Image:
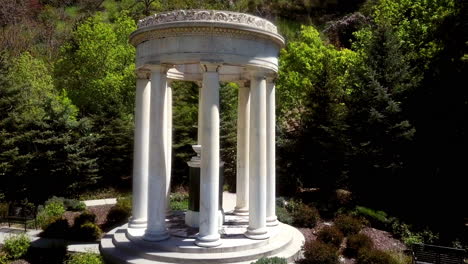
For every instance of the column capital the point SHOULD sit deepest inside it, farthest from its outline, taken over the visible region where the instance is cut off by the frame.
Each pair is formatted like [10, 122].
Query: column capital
[272, 78]
[143, 73]
[163, 68]
[257, 72]
[243, 84]
[210, 66]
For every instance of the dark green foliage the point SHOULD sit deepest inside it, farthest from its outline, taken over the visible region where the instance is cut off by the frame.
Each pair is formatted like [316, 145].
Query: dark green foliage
[330, 235]
[357, 242]
[16, 246]
[284, 216]
[85, 217]
[40, 138]
[178, 201]
[125, 202]
[377, 219]
[84, 258]
[228, 132]
[57, 229]
[374, 256]
[68, 204]
[74, 205]
[87, 232]
[305, 216]
[114, 147]
[116, 216]
[85, 228]
[382, 134]
[348, 224]
[316, 252]
[49, 213]
[274, 260]
[120, 212]
[185, 118]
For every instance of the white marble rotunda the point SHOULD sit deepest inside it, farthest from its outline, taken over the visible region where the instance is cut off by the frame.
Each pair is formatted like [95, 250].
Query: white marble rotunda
[207, 47]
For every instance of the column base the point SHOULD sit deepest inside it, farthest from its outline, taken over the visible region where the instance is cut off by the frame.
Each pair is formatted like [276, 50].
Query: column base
[272, 221]
[209, 241]
[192, 218]
[257, 234]
[243, 211]
[137, 223]
[155, 236]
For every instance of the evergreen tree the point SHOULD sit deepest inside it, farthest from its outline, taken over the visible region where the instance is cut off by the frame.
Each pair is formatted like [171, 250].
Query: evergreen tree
[381, 133]
[41, 139]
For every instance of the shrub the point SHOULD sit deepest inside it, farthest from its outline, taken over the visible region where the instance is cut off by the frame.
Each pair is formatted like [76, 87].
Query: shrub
[117, 215]
[16, 246]
[57, 229]
[87, 232]
[84, 258]
[400, 258]
[74, 205]
[68, 204]
[49, 213]
[85, 217]
[348, 225]
[377, 219]
[120, 212]
[356, 243]
[281, 202]
[316, 252]
[343, 197]
[330, 235]
[125, 203]
[403, 232]
[305, 216]
[178, 201]
[274, 260]
[284, 216]
[373, 256]
[3, 258]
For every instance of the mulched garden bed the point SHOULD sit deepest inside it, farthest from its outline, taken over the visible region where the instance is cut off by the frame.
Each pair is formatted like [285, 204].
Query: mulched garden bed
[100, 211]
[383, 240]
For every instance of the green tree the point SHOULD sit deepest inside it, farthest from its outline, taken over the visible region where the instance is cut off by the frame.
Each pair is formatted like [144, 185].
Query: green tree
[41, 139]
[97, 67]
[228, 132]
[311, 87]
[382, 135]
[415, 23]
[185, 116]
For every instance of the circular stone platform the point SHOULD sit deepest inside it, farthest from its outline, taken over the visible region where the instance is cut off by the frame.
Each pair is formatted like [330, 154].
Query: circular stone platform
[125, 245]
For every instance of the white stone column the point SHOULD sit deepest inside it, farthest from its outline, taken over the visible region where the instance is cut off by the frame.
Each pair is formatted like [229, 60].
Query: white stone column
[140, 151]
[272, 220]
[158, 184]
[242, 178]
[200, 119]
[168, 142]
[257, 157]
[209, 179]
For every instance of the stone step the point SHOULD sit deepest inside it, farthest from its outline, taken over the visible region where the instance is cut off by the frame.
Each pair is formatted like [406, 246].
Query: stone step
[121, 242]
[116, 248]
[230, 243]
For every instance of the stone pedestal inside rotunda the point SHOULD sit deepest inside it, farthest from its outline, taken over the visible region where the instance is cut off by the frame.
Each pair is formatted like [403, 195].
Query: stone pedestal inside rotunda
[192, 216]
[206, 47]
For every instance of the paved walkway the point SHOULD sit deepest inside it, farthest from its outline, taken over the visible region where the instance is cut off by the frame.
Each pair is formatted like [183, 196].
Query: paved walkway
[110, 201]
[229, 202]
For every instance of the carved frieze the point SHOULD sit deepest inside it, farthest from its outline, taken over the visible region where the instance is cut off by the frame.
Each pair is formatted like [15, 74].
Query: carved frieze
[208, 16]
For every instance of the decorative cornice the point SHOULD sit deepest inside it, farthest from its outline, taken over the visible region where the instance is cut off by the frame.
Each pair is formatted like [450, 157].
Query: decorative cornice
[226, 17]
[137, 38]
